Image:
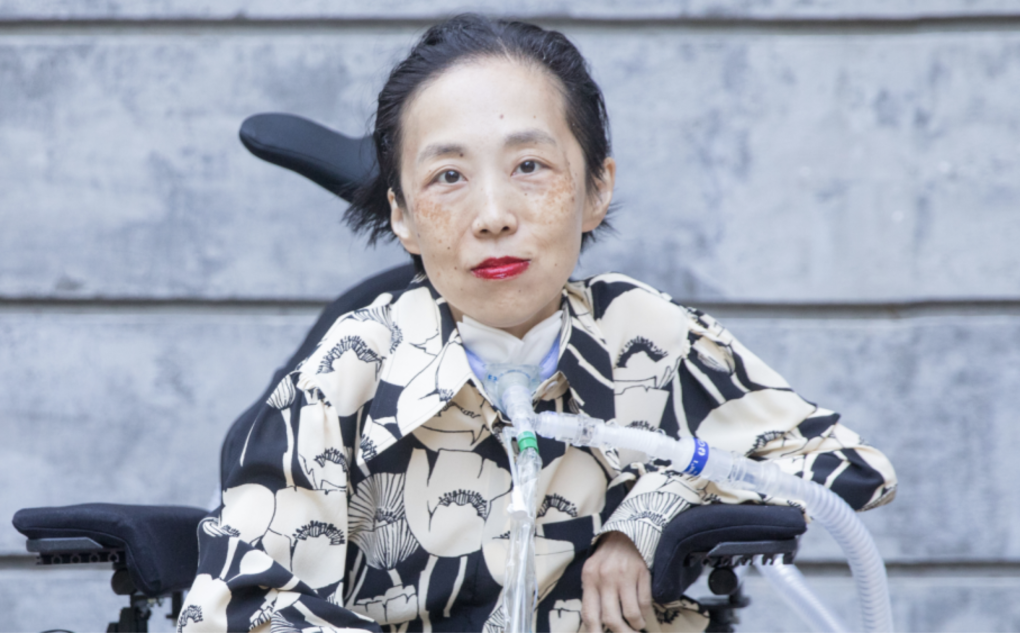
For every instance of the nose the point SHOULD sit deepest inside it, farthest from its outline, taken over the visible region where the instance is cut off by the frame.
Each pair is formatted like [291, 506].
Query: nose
[496, 216]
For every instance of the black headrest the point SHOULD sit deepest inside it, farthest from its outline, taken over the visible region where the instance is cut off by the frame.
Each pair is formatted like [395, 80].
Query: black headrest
[324, 156]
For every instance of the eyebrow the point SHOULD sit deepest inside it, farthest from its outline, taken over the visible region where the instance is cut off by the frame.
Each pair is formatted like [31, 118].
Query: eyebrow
[529, 137]
[439, 149]
[525, 137]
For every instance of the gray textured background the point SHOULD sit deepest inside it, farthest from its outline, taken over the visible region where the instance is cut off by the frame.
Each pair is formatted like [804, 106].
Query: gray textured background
[838, 181]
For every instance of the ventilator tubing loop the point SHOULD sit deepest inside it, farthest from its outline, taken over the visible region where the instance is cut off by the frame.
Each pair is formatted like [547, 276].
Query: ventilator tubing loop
[512, 387]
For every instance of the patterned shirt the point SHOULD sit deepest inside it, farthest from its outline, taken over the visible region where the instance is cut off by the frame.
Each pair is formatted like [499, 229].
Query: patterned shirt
[373, 487]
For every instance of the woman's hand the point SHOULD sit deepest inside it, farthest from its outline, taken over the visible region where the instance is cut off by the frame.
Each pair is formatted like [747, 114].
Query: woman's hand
[617, 587]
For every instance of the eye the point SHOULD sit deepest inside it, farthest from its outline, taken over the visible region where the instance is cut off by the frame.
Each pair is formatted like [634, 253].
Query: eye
[527, 167]
[450, 177]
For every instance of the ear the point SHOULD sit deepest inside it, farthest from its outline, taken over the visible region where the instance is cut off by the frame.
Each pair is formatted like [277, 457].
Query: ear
[402, 224]
[596, 207]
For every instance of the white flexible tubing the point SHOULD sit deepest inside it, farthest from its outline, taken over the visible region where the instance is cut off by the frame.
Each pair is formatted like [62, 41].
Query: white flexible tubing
[842, 523]
[694, 456]
[520, 593]
[789, 584]
[520, 588]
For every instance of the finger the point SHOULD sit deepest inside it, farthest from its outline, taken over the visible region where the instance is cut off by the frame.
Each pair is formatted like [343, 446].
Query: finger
[631, 605]
[611, 614]
[590, 606]
[645, 589]
[645, 600]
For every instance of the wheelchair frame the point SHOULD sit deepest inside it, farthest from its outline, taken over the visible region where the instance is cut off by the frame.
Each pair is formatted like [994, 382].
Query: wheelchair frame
[69, 535]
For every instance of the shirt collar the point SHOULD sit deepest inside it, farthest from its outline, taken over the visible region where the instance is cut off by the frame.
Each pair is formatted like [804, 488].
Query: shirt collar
[429, 366]
[585, 360]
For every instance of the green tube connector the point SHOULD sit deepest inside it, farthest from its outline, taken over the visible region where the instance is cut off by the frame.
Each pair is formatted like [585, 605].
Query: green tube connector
[527, 439]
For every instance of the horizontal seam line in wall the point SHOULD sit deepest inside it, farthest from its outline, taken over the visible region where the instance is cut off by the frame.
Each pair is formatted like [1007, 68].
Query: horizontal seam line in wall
[809, 568]
[808, 25]
[919, 568]
[256, 306]
[861, 310]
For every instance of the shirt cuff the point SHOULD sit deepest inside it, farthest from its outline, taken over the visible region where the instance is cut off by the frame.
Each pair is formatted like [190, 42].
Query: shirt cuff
[654, 501]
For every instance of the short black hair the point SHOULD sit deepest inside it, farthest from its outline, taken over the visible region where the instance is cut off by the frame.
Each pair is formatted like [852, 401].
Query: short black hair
[469, 37]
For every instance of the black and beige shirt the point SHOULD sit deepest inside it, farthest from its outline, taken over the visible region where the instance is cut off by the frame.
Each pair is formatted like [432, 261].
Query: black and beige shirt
[372, 488]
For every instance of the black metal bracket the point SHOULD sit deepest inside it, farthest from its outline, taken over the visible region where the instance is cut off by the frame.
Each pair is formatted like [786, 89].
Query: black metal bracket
[73, 551]
[84, 550]
[722, 611]
[135, 618]
[731, 554]
[723, 581]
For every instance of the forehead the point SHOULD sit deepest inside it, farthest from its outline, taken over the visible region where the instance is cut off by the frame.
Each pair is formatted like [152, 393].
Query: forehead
[482, 101]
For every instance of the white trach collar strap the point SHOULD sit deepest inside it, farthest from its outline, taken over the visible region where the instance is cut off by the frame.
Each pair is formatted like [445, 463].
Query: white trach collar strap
[496, 346]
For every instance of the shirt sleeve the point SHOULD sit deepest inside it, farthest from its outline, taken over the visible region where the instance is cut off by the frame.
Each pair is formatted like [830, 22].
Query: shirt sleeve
[726, 396]
[272, 556]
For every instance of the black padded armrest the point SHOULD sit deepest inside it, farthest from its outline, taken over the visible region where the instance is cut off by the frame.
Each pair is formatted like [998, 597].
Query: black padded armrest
[700, 529]
[160, 542]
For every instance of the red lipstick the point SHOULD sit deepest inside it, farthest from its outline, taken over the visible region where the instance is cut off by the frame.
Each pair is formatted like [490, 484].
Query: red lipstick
[500, 268]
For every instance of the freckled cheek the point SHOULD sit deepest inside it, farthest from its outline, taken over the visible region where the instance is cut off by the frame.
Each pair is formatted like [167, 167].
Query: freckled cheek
[555, 204]
[431, 220]
[427, 210]
[436, 231]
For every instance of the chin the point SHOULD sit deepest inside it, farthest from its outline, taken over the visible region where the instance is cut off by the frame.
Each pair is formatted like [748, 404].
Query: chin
[500, 320]
[506, 304]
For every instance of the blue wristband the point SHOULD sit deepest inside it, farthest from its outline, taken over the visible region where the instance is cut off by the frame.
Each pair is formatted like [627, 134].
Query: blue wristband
[699, 459]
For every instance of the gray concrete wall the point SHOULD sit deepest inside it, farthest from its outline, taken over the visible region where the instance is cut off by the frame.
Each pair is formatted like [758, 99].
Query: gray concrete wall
[839, 182]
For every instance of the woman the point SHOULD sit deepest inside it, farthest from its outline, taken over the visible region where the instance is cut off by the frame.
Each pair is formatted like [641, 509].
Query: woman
[373, 489]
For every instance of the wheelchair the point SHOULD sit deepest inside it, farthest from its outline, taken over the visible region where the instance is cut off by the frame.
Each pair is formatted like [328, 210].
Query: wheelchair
[153, 550]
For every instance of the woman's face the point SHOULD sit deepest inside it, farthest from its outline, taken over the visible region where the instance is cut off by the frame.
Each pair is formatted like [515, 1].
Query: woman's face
[494, 191]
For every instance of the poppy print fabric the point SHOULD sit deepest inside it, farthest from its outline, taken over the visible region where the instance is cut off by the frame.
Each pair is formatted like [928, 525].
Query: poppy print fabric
[373, 487]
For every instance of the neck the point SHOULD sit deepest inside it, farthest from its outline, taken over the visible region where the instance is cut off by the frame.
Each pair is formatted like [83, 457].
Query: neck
[520, 329]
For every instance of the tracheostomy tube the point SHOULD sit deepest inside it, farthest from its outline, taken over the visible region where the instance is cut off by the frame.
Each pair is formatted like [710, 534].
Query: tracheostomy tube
[695, 457]
[512, 388]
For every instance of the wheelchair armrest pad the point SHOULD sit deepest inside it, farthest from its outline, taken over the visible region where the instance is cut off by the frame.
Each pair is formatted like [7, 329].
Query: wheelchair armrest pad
[701, 528]
[160, 542]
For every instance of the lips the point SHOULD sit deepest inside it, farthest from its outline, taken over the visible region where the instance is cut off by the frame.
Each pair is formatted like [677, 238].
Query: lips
[500, 268]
